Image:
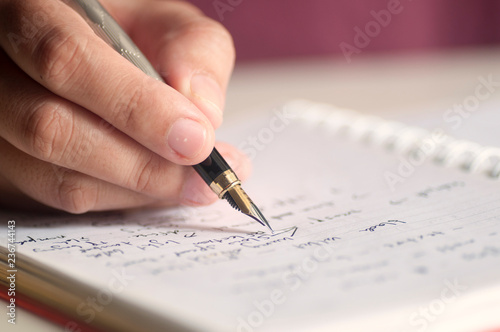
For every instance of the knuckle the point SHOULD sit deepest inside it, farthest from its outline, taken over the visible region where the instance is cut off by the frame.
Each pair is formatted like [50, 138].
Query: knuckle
[212, 32]
[144, 178]
[74, 195]
[57, 56]
[213, 40]
[48, 131]
[127, 105]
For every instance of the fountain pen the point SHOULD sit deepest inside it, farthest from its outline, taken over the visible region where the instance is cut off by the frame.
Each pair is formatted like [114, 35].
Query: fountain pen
[214, 170]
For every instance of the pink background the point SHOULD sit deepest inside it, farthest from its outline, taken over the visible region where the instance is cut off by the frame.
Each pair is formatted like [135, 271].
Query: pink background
[284, 28]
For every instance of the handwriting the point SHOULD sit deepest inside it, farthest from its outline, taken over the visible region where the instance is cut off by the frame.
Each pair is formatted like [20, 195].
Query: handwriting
[322, 242]
[268, 243]
[56, 247]
[107, 253]
[429, 192]
[335, 216]
[487, 251]
[290, 201]
[454, 246]
[318, 206]
[217, 257]
[413, 239]
[382, 224]
[194, 250]
[221, 240]
[360, 196]
[443, 187]
[398, 202]
[260, 237]
[31, 239]
[156, 244]
[282, 215]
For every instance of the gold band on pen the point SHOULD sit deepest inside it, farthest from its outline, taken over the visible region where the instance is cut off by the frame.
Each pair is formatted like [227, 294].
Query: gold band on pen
[224, 182]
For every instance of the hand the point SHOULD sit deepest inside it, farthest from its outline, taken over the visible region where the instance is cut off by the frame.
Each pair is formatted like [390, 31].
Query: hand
[82, 129]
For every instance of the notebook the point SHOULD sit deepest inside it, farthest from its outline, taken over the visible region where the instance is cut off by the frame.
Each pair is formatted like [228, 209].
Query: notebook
[379, 226]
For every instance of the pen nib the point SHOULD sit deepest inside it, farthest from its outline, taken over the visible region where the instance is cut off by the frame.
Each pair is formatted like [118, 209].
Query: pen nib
[257, 215]
[239, 200]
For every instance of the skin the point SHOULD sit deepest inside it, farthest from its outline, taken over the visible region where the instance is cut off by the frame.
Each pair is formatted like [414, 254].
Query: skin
[82, 129]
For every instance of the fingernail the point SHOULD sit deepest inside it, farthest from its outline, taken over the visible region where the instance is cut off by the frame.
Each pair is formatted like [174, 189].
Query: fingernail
[209, 93]
[186, 137]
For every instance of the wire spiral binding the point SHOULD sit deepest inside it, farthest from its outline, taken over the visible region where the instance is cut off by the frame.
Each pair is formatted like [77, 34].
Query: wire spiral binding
[399, 137]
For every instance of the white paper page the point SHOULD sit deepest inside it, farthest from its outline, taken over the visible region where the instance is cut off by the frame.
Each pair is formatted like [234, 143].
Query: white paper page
[349, 250]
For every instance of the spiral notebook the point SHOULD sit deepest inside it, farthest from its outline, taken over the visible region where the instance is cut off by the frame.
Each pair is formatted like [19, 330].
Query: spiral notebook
[379, 226]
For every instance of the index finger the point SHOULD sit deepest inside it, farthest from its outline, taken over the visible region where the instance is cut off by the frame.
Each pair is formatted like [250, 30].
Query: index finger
[57, 48]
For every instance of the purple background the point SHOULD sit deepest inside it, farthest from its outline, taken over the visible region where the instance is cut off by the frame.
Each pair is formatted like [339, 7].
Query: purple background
[284, 28]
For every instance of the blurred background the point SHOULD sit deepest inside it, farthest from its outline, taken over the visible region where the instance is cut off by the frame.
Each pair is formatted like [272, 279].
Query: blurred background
[389, 57]
[264, 29]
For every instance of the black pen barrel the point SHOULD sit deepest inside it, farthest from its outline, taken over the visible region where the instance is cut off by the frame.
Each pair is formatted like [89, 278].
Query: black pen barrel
[212, 167]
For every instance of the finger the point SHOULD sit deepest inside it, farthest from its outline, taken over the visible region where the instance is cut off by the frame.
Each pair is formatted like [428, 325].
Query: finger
[193, 53]
[59, 132]
[63, 54]
[56, 131]
[61, 188]
[74, 192]
[12, 198]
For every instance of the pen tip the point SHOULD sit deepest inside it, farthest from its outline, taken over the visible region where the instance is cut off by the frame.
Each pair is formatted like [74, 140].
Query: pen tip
[257, 215]
[240, 201]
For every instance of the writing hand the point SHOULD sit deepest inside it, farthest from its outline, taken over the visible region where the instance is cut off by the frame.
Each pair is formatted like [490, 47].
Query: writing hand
[83, 129]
